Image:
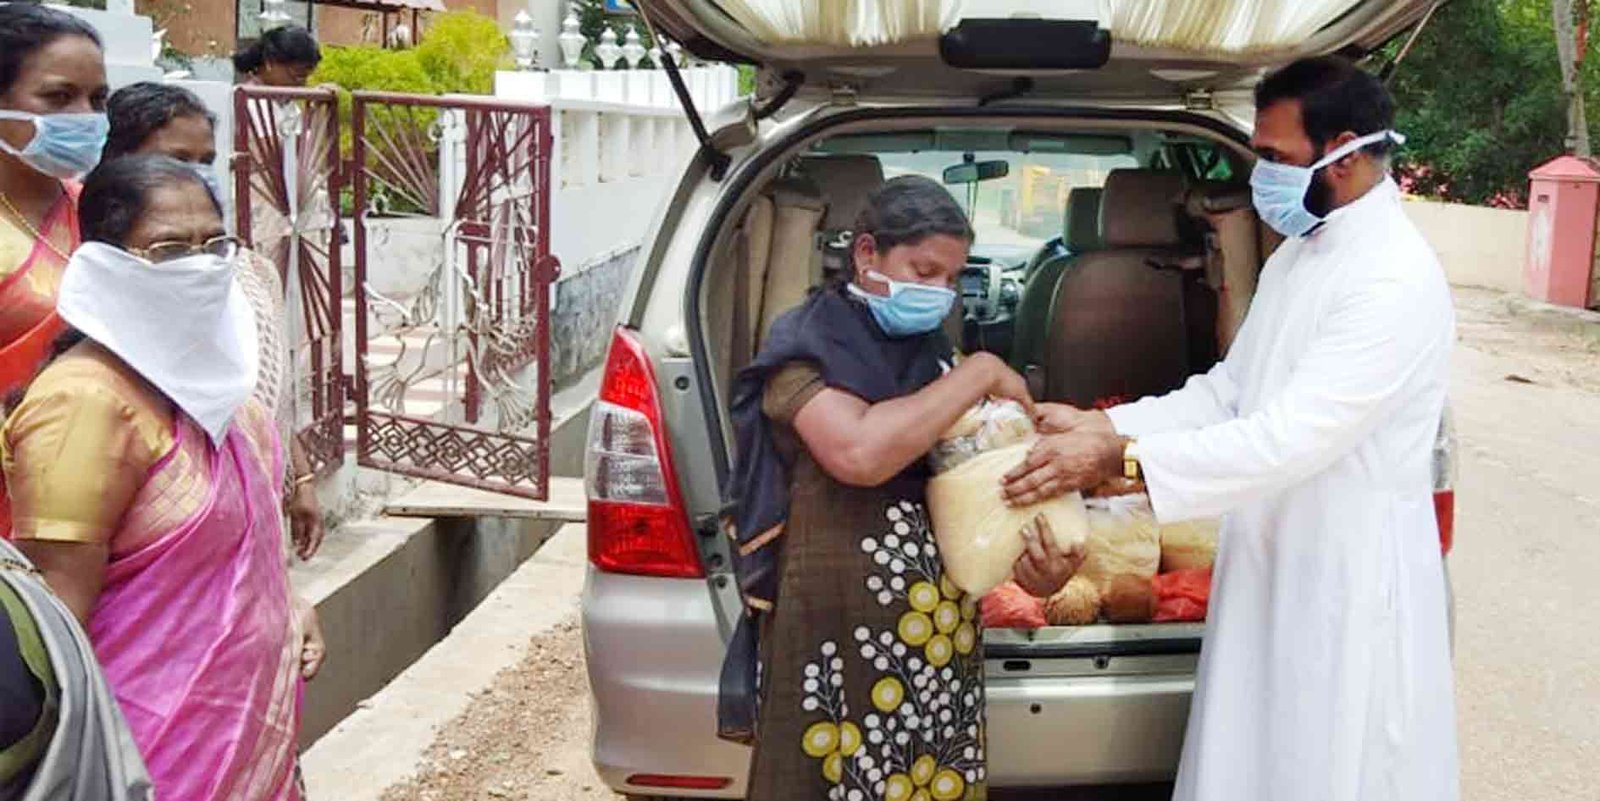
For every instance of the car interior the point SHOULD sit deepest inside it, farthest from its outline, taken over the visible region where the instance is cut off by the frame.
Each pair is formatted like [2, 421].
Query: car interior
[1107, 265]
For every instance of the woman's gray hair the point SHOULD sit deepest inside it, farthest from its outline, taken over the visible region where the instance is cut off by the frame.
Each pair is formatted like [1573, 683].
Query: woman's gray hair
[116, 193]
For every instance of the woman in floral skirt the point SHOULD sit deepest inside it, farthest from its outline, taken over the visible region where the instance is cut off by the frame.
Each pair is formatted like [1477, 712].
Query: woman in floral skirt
[870, 669]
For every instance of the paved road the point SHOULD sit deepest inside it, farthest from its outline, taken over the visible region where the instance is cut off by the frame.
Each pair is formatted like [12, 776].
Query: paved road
[1527, 557]
[1527, 405]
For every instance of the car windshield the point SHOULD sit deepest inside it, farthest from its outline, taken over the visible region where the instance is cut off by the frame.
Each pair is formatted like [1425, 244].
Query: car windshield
[1025, 208]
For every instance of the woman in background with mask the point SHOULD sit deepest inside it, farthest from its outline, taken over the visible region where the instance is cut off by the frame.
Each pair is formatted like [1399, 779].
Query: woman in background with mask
[52, 95]
[144, 480]
[833, 419]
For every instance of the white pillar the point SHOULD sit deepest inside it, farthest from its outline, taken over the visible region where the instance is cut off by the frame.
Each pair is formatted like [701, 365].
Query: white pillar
[584, 147]
[661, 93]
[638, 87]
[528, 86]
[128, 40]
[574, 84]
[613, 147]
[610, 87]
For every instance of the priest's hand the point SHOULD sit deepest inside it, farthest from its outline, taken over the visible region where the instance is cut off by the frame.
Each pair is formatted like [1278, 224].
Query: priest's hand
[1063, 463]
[1043, 568]
[1059, 418]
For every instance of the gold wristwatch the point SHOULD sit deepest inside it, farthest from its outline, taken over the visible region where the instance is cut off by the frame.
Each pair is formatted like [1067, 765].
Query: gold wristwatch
[1131, 468]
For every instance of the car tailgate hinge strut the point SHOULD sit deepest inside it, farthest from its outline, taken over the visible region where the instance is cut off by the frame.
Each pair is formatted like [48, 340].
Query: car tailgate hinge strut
[792, 81]
[716, 161]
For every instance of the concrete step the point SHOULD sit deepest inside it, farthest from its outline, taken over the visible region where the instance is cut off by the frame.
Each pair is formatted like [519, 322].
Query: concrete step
[434, 499]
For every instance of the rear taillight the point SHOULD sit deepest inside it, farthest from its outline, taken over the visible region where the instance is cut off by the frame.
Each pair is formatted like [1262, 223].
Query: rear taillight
[637, 521]
[1444, 482]
[1444, 507]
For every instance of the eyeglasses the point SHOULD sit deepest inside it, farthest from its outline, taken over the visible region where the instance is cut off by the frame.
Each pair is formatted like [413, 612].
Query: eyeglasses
[224, 247]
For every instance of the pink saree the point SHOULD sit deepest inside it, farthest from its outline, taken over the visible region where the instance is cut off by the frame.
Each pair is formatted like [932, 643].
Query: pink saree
[195, 630]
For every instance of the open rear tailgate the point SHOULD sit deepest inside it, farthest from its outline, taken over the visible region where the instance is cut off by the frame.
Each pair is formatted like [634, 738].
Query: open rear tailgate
[1158, 47]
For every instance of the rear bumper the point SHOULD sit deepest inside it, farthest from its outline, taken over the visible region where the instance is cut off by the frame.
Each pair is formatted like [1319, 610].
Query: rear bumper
[654, 652]
[1072, 722]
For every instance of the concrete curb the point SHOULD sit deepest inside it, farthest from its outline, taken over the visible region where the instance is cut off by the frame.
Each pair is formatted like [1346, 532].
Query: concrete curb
[1531, 306]
[388, 589]
[381, 743]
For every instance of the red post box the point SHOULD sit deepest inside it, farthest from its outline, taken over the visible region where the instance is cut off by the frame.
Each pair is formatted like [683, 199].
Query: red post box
[1563, 201]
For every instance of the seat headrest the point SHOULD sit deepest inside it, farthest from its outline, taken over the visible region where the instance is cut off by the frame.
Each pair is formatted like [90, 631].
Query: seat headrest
[846, 182]
[1082, 232]
[1140, 209]
[1212, 197]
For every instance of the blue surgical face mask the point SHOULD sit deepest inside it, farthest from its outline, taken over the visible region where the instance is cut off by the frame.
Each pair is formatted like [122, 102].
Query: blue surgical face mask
[1279, 190]
[910, 309]
[208, 174]
[63, 145]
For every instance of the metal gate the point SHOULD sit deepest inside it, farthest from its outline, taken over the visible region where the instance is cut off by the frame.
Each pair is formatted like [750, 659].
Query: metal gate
[451, 380]
[286, 182]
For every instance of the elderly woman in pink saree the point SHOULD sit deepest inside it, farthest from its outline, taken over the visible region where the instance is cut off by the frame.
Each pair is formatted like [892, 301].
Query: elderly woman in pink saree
[144, 477]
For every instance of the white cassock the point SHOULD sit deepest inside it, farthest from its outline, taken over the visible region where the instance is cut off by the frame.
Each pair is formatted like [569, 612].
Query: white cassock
[1325, 673]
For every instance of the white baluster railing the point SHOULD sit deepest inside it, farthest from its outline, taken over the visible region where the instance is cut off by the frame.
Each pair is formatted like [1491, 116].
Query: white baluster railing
[620, 138]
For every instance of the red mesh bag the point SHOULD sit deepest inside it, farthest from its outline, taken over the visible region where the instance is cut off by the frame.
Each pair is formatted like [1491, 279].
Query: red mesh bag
[1008, 606]
[1182, 595]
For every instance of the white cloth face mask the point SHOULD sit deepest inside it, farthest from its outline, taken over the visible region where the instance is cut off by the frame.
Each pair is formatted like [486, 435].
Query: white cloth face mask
[185, 325]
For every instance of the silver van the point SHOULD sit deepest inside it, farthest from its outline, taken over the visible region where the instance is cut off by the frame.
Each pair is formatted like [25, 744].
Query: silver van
[1101, 151]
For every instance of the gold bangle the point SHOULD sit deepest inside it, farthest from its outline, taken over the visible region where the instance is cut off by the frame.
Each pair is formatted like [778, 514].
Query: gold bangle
[301, 481]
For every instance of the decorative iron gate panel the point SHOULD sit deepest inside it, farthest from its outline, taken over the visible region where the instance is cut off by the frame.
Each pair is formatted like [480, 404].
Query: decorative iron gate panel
[286, 183]
[452, 377]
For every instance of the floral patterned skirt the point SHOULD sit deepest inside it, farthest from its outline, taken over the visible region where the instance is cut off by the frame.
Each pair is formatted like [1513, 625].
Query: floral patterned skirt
[872, 666]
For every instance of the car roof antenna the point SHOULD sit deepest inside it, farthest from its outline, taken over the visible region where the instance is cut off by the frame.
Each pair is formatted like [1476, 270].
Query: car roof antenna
[716, 161]
[1019, 87]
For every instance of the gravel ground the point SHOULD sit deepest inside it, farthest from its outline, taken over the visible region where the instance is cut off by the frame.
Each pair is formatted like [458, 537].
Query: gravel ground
[526, 737]
[1526, 398]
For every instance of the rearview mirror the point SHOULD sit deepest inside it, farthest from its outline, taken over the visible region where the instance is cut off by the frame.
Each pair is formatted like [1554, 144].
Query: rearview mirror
[975, 172]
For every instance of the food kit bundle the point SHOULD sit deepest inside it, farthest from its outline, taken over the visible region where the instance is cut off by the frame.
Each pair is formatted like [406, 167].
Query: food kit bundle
[1136, 570]
[979, 536]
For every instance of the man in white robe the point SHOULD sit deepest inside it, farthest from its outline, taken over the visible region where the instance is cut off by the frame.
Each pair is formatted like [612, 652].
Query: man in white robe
[1325, 673]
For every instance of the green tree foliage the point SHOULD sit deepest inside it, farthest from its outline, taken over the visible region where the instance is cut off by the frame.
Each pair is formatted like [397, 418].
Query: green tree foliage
[460, 50]
[459, 53]
[375, 68]
[1480, 99]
